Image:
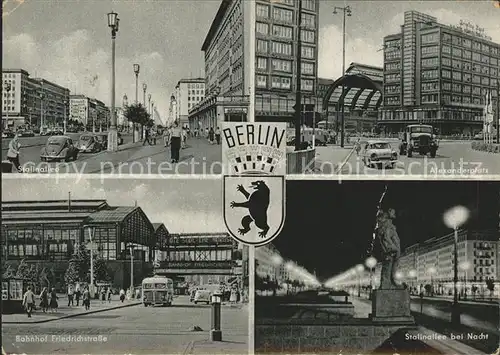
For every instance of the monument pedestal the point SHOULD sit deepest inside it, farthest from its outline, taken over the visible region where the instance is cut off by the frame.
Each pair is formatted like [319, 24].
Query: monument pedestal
[391, 306]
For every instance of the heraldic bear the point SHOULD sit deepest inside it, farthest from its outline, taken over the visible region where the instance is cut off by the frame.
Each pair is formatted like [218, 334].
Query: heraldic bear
[257, 204]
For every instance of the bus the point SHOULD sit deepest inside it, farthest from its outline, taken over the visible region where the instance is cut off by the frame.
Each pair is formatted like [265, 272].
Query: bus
[157, 290]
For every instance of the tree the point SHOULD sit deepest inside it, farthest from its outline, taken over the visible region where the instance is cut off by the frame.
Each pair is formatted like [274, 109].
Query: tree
[490, 284]
[101, 272]
[137, 114]
[79, 266]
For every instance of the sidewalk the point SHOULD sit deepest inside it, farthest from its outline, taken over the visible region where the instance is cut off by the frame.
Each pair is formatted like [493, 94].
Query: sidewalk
[234, 346]
[65, 312]
[330, 159]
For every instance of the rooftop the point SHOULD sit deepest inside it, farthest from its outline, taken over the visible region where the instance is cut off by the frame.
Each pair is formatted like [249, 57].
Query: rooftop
[191, 80]
[215, 24]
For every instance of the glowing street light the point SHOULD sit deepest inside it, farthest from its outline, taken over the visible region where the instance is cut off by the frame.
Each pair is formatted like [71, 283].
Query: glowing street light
[370, 263]
[359, 271]
[454, 218]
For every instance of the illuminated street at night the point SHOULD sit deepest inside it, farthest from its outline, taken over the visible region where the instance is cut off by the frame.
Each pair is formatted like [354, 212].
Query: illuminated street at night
[333, 276]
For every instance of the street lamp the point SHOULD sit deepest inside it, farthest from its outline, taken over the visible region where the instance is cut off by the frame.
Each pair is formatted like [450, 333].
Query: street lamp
[454, 218]
[91, 247]
[359, 271]
[113, 23]
[149, 106]
[131, 249]
[65, 124]
[136, 71]
[370, 264]
[215, 332]
[144, 88]
[124, 104]
[346, 11]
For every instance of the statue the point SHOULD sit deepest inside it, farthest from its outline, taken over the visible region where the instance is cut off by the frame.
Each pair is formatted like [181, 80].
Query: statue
[391, 249]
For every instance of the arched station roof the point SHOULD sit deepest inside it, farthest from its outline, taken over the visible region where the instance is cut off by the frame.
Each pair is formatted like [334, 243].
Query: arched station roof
[362, 88]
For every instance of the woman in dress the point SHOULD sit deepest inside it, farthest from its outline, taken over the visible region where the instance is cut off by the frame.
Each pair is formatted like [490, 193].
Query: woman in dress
[53, 305]
[44, 299]
[13, 153]
[175, 142]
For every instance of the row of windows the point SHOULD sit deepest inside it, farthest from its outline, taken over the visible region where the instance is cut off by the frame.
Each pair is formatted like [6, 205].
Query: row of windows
[393, 66]
[392, 89]
[196, 92]
[208, 255]
[195, 86]
[430, 86]
[278, 82]
[429, 98]
[392, 77]
[466, 54]
[195, 98]
[467, 43]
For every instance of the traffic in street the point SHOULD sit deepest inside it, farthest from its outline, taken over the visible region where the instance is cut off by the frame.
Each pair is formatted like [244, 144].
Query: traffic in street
[179, 329]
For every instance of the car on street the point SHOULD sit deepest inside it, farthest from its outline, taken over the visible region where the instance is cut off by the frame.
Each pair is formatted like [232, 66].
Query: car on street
[8, 134]
[89, 143]
[419, 138]
[103, 138]
[378, 153]
[202, 296]
[26, 133]
[59, 148]
[46, 132]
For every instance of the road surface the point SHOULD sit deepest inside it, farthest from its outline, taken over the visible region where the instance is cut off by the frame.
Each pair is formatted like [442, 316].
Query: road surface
[453, 158]
[136, 330]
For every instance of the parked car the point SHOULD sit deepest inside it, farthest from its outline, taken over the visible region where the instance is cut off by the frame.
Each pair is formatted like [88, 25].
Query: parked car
[46, 132]
[59, 148]
[88, 143]
[104, 138]
[202, 296]
[378, 153]
[26, 133]
[8, 134]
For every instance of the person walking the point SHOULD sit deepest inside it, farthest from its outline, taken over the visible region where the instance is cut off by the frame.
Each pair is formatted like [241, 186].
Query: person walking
[53, 305]
[147, 134]
[233, 298]
[103, 295]
[217, 135]
[29, 301]
[358, 146]
[122, 295]
[211, 135]
[175, 142]
[109, 293]
[86, 298]
[184, 137]
[13, 153]
[78, 294]
[137, 294]
[71, 293]
[44, 300]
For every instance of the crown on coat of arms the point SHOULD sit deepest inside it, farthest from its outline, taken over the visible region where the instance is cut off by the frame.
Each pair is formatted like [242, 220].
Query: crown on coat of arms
[254, 159]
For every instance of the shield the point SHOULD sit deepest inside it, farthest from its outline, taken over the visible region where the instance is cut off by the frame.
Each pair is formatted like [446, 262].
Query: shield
[254, 207]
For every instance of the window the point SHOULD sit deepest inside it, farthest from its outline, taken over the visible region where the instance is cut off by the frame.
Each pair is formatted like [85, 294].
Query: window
[476, 79]
[466, 89]
[429, 50]
[446, 74]
[281, 82]
[467, 43]
[282, 65]
[457, 88]
[467, 54]
[308, 20]
[485, 81]
[262, 46]
[430, 86]
[261, 81]
[262, 28]
[392, 77]
[308, 52]
[457, 76]
[446, 50]
[282, 48]
[429, 74]
[392, 89]
[283, 31]
[262, 11]
[392, 100]
[445, 61]
[466, 66]
[307, 36]
[307, 68]
[307, 84]
[431, 62]
[467, 77]
[430, 38]
[476, 57]
[309, 5]
[457, 52]
[392, 54]
[447, 86]
[283, 15]
[261, 63]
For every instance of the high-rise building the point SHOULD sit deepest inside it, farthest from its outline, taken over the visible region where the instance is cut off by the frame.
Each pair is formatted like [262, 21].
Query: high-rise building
[439, 75]
[79, 108]
[276, 45]
[24, 98]
[188, 93]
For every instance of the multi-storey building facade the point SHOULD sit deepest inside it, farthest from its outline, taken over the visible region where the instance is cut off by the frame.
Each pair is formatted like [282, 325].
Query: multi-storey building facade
[269, 263]
[439, 75]
[28, 100]
[79, 108]
[228, 64]
[277, 33]
[188, 93]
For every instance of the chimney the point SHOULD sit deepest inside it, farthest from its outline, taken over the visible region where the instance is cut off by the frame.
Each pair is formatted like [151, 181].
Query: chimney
[69, 201]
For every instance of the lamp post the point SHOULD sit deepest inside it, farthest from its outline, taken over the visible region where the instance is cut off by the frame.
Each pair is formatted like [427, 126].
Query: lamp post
[131, 249]
[42, 96]
[149, 106]
[359, 271]
[113, 23]
[454, 218]
[144, 88]
[298, 97]
[124, 105]
[370, 264]
[215, 332]
[91, 247]
[65, 124]
[346, 11]
[136, 71]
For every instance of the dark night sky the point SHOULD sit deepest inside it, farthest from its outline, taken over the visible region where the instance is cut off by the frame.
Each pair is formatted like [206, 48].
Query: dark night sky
[329, 225]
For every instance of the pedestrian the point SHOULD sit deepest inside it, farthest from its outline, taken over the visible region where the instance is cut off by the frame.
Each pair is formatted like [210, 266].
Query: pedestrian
[78, 294]
[86, 298]
[137, 294]
[13, 153]
[146, 136]
[44, 299]
[211, 135]
[71, 293]
[358, 146]
[175, 142]
[53, 305]
[233, 298]
[103, 295]
[109, 294]
[217, 135]
[129, 294]
[166, 137]
[206, 133]
[122, 295]
[29, 301]
[184, 137]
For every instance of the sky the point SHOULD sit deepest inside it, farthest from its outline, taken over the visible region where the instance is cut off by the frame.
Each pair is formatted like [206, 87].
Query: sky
[329, 226]
[68, 41]
[183, 205]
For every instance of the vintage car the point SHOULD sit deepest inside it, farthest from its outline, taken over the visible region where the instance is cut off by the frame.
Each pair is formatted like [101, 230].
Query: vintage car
[26, 133]
[418, 138]
[103, 138]
[378, 153]
[59, 148]
[8, 134]
[89, 143]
